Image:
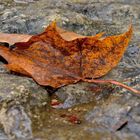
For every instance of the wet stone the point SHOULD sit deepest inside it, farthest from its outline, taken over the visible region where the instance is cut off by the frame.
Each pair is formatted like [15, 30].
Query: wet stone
[3, 69]
[81, 93]
[100, 111]
[130, 62]
[18, 98]
[117, 115]
[24, 1]
[16, 123]
[21, 90]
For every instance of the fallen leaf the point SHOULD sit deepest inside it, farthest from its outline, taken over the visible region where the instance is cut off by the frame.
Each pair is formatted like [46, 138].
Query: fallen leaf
[13, 38]
[57, 57]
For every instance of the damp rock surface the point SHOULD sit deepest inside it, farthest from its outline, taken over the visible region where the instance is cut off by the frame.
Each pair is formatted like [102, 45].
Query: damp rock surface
[21, 90]
[16, 123]
[82, 93]
[19, 96]
[83, 111]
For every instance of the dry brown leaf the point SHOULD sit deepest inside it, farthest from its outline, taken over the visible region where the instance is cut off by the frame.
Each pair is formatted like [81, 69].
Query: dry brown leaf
[13, 38]
[57, 57]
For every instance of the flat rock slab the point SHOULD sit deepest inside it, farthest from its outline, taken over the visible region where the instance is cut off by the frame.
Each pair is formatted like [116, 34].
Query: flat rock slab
[115, 116]
[102, 114]
[18, 97]
[82, 93]
[21, 90]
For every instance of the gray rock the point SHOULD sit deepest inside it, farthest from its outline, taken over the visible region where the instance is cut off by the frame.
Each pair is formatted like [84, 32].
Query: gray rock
[80, 93]
[24, 1]
[115, 115]
[16, 123]
[3, 69]
[19, 96]
[3, 136]
[100, 111]
[21, 90]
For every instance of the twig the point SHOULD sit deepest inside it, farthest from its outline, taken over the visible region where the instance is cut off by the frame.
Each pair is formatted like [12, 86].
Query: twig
[113, 82]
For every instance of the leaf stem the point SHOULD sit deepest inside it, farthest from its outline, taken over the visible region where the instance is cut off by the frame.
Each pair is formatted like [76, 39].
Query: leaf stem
[113, 82]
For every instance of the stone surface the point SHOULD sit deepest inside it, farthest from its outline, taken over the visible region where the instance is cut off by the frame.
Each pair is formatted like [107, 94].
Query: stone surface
[24, 1]
[113, 115]
[19, 96]
[3, 68]
[100, 108]
[16, 123]
[21, 90]
[80, 93]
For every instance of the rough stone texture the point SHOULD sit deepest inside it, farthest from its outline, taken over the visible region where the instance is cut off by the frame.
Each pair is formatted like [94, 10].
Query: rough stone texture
[79, 93]
[21, 90]
[3, 68]
[100, 112]
[109, 116]
[18, 97]
[16, 123]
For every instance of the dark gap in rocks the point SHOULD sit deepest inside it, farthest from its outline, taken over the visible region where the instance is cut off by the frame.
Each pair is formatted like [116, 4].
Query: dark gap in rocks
[50, 90]
[122, 126]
